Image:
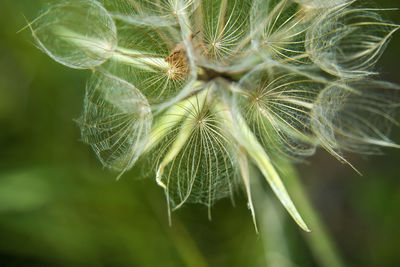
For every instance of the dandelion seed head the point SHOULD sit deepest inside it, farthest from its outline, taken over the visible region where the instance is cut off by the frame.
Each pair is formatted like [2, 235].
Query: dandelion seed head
[206, 87]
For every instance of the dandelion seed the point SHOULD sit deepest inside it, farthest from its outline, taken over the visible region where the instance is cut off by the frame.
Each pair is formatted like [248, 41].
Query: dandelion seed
[116, 121]
[347, 42]
[82, 45]
[207, 87]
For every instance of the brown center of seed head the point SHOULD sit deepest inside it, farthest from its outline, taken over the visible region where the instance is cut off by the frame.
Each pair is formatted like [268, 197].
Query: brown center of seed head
[177, 60]
[179, 66]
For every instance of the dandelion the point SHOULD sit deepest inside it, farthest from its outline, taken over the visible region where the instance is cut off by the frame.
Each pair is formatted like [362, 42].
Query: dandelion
[206, 88]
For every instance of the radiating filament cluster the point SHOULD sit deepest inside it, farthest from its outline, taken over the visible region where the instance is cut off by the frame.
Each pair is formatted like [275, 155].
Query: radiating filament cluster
[200, 89]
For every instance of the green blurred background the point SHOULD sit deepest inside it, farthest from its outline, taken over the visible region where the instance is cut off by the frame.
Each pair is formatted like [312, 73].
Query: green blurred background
[58, 207]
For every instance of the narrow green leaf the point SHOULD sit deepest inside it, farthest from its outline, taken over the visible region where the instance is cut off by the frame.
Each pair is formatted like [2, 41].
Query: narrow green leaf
[249, 141]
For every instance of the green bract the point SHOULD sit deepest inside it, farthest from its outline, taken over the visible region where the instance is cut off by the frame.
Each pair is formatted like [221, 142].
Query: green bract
[207, 87]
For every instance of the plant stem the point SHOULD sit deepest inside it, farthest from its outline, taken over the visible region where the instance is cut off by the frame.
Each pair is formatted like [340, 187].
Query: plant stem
[319, 240]
[271, 225]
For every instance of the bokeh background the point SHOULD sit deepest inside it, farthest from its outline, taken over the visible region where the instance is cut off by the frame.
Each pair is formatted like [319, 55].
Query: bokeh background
[59, 207]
